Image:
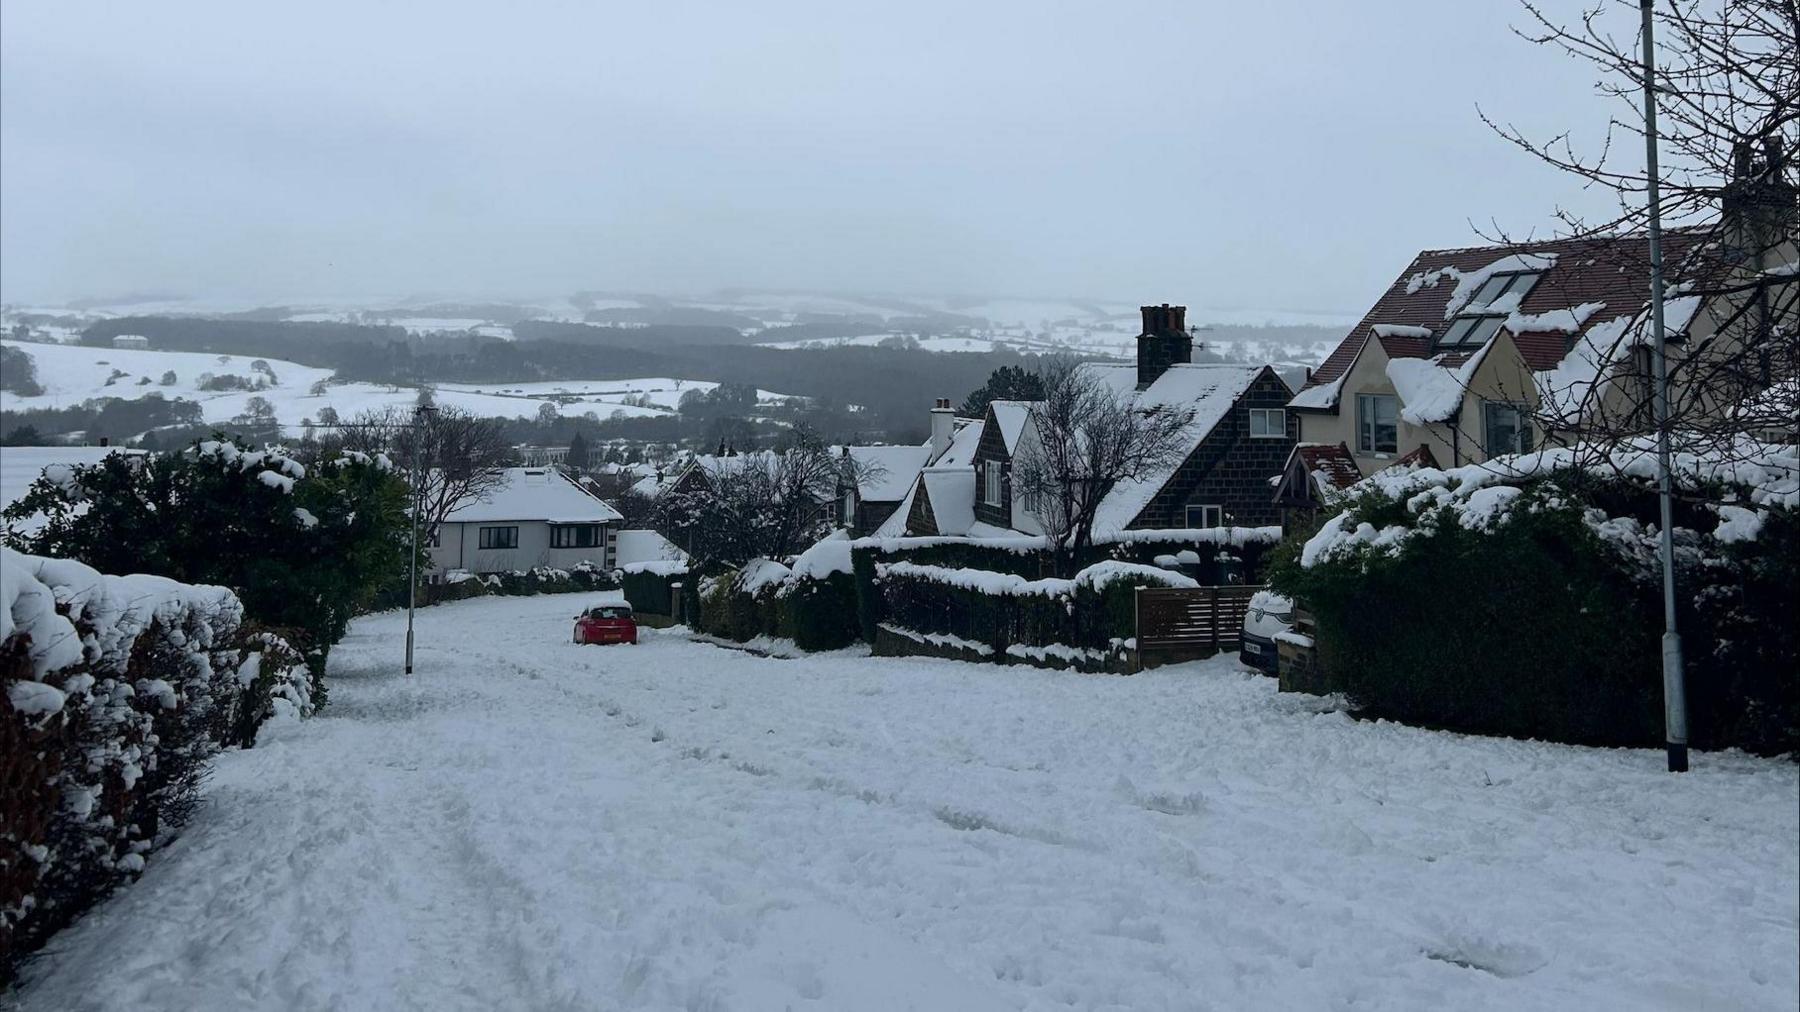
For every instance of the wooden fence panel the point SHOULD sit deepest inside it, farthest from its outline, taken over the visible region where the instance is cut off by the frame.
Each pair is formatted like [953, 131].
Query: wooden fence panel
[1189, 622]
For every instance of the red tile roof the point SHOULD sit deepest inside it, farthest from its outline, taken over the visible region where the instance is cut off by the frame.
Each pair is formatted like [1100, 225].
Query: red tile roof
[1331, 463]
[1613, 271]
[1419, 457]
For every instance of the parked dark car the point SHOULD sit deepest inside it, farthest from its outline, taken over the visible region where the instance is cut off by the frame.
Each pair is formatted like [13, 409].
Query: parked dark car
[1268, 615]
[606, 623]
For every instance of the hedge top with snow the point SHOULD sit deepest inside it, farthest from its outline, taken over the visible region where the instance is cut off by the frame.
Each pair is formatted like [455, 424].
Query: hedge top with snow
[1760, 477]
[74, 614]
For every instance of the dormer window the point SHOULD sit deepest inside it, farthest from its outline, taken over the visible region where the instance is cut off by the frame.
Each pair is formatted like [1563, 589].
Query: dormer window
[1481, 317]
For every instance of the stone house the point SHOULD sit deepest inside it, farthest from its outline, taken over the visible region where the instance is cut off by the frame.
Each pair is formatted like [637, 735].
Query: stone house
[1240, 436]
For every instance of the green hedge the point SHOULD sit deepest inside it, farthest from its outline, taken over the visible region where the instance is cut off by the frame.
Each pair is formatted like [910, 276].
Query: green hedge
[817, 614]
[1547, 622]
[1082, 622]
[822, 614]
[1248, 555]
[652, 592]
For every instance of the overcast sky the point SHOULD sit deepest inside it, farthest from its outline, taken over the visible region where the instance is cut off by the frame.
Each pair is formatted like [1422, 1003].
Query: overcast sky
[1289, 155]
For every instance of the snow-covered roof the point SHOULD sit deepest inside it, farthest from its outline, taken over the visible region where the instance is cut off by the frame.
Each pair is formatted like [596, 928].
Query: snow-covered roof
[961, 451]
[895, 524]
[1208, 390]
[1329, 466]
[651, 486]
[646, 546]
[1011, 416]
[1583, 283]
[535, 493]
[1431, 389]
[951, 492]
[1569, 391]
[884, 473]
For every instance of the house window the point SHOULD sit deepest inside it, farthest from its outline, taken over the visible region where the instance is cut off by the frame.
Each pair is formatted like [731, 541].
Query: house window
[498, 537]
[992, 471]
[576, 536]
[1508, 429]
[1268, 423]
[1482, 316]
[1199, 517]
[435, 539]
[1377, 423]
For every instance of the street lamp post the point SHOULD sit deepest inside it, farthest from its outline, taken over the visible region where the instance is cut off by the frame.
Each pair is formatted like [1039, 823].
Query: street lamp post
[1674, 687]
[421, 420]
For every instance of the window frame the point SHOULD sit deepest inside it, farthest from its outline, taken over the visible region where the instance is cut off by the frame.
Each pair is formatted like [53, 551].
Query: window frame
[488, 539]
[595, 534]
[1187, 516]
[1523, 439]
[1476, 318]
[993, 482]
[1366, 427]
[1266, 413]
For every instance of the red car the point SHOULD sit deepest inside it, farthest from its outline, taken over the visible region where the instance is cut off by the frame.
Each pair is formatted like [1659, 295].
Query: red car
[606, 623]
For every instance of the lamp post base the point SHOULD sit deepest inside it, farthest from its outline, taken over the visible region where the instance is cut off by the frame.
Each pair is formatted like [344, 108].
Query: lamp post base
[1678, 759]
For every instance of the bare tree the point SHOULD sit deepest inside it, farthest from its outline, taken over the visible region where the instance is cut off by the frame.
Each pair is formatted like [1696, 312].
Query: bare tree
[1087, 437]
[1727, 99]
[456, 457]
[764, 504]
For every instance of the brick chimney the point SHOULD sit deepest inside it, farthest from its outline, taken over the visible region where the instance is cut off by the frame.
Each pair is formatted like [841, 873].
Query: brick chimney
[1760, 202]
[943, 426]
[1164, 342]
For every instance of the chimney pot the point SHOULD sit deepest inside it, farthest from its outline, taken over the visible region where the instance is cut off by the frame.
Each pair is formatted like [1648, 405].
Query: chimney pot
[943, 427]
[1164, 342]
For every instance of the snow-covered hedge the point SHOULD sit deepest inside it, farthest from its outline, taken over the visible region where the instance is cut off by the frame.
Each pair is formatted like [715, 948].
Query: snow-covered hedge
[1216, 552]
[114, 693]
[812, 602]
[460, 585]
[1523, 597]
[1084, 622]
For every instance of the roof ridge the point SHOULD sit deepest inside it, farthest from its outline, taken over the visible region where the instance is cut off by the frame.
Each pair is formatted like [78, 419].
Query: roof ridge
[1561, 240]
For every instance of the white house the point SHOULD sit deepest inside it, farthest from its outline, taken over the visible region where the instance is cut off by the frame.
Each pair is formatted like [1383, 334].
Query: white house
[537, 517]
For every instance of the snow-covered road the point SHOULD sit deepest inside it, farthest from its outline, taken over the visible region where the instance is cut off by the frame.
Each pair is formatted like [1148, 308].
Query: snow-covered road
[533, 825]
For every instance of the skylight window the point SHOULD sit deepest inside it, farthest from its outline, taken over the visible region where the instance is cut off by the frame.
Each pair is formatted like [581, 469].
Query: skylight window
[1480, 319]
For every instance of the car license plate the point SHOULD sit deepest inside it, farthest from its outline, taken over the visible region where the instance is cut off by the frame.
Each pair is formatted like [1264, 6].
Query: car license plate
[1253, 648]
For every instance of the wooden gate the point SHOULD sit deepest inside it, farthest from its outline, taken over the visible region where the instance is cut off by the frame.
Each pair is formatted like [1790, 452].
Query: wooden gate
[1177, 624]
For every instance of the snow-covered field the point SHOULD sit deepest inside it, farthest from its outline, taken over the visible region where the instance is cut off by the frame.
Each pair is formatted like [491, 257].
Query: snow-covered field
[73, 373]
[20, 466]
[531, 824]
[663, 392]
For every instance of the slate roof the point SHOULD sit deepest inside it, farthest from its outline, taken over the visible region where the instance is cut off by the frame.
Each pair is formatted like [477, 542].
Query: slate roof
[1209, 390]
